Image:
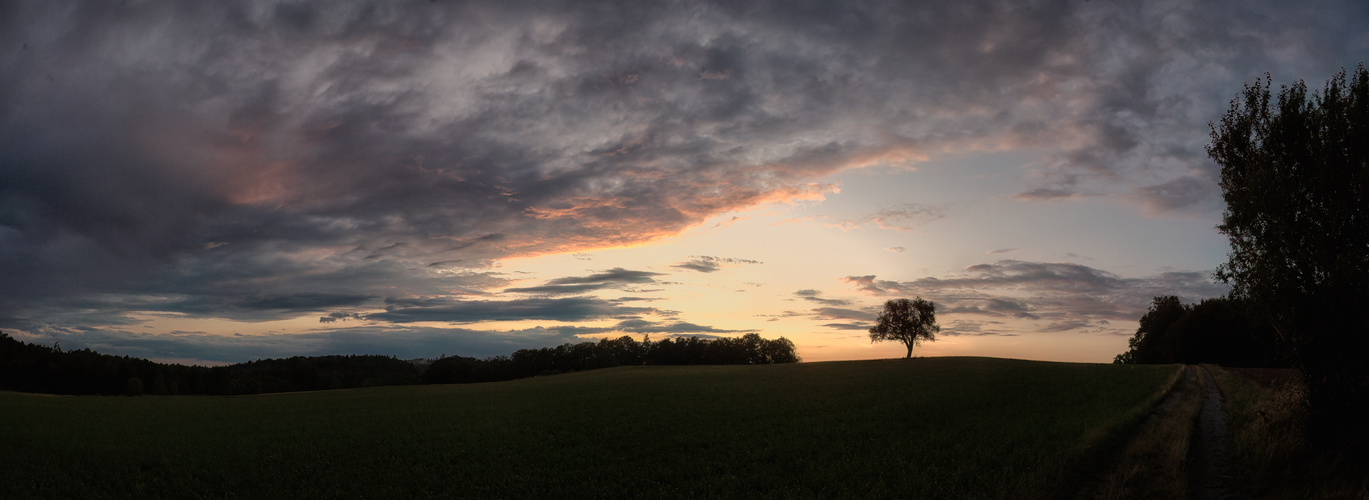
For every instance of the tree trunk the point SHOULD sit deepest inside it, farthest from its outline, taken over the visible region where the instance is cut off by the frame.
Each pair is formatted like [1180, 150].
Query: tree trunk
[910, 352]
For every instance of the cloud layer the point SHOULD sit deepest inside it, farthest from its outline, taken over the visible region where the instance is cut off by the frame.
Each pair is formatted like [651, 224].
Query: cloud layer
[1052, 296]
[265, 160]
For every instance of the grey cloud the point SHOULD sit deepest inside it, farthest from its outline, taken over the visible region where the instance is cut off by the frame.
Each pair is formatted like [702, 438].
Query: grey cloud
[302, 301]
[973, 328]
[840, 313]
[1066, 295]
[702, 266]
[336, 316]
[708, 264]
[612, 278]
[990, 307]
[1047, 194]
[869, 284]
[227, 152]
[862, 320]
[462, 311]
[678, 327]
[1179, 194]
[1053, 276]
[634, 299]
[1067, 325]
[813, 296]
[560, 289]
[615, 275]
[900, 218]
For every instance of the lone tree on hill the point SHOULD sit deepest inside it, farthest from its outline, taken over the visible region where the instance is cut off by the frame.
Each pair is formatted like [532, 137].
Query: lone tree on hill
[907, 321]
[1295, 177]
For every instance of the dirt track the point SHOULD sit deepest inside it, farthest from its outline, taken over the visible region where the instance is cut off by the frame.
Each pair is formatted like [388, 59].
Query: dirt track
[1209, 440]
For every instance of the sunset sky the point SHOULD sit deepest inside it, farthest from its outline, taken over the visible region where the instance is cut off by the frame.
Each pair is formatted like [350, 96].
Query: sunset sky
[216, 182]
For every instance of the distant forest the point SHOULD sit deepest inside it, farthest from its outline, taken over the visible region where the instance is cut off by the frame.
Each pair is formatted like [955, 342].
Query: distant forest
[34, 368]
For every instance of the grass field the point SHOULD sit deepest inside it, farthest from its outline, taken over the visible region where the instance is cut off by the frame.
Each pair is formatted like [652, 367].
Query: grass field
[1270, 454]
[932, 427]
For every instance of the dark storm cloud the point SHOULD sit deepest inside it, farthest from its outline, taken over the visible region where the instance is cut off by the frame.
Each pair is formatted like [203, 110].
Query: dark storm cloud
[258, 160]
[1066, 295]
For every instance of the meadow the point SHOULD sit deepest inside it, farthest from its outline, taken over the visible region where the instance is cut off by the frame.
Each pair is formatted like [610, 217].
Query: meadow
[930, 427]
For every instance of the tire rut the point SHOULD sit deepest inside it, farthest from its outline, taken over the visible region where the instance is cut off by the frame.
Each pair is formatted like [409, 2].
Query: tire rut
[1210, 439]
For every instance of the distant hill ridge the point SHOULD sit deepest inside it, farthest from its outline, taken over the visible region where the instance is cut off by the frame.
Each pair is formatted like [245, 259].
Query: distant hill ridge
[29, 367]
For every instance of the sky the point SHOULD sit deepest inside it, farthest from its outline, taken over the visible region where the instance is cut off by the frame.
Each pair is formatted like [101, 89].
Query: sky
[217, 182]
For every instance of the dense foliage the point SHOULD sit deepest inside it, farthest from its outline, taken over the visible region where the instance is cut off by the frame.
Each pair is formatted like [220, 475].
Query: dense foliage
[1295, 178]
[907, 321]
[623, 351]
[34, 368]
[1221, 331]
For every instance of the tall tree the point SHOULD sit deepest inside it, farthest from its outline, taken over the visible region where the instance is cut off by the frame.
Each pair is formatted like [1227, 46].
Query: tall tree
[907, 321]
[1145, 345]
[1295, 177]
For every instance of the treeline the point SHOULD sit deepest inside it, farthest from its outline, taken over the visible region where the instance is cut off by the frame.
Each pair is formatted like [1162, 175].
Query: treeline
[33, 368]
[622, 351]
[1221, 331]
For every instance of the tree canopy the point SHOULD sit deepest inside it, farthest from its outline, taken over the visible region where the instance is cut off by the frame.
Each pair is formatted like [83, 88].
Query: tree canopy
[907, 321]
[1295, 178]
[1217, 330]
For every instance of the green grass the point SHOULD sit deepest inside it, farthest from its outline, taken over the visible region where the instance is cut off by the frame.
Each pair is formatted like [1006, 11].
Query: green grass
[933, 427]
[1154, 462]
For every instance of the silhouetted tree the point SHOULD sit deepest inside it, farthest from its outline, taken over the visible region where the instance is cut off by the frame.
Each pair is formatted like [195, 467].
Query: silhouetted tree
[1220, 331]
[907, 321]
[780, 350]
[1144, 346]
[1295, 178]
[1217, 330]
